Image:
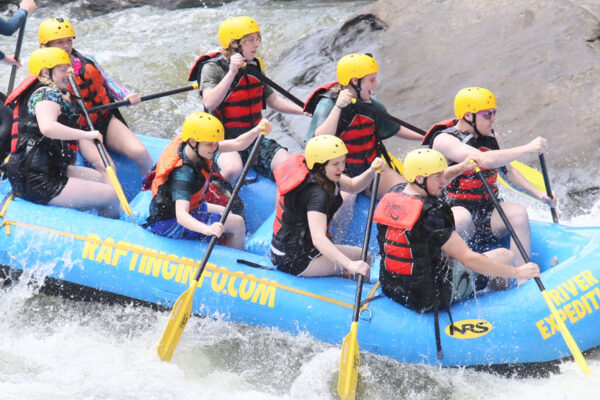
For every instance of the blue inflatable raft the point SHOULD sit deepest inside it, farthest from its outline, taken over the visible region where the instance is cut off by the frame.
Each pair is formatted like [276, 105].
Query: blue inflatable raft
[79, 251]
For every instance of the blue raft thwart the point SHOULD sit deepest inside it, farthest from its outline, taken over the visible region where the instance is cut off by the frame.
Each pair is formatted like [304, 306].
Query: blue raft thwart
[116, 257]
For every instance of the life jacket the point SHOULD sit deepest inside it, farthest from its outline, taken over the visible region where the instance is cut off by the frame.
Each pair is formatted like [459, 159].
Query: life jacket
[291, 233]
[356, 127]
[170, 159]
[399, 213]
[468, 185]
[288, 176]
[242, 107]
[30, 149]
[410, 264]
[91, 87]
[22, 122]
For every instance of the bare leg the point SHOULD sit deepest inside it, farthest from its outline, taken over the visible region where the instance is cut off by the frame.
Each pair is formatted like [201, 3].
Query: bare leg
[85, 194]
[235, 227]
[518, 218]
[120, 138]
[280, 156]
[463, 222]
[90, 153]
[230, 165]
[388, 179]
[503, 256]
[323, 266]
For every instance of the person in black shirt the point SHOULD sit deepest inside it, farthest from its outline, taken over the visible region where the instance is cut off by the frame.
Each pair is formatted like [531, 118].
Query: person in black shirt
[309, 191]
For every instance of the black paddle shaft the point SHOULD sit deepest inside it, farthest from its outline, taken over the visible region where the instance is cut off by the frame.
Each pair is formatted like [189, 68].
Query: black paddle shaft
[153, 96]
[365, 247]
[13, 70]
[281, 90]
[234, 194]
[508, 225]
[547, 184]
[88, 120]
[383, 114]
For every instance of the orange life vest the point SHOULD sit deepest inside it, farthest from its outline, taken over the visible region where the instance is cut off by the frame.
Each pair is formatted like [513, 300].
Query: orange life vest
[91, 87]
[168, 161]
[399, 213]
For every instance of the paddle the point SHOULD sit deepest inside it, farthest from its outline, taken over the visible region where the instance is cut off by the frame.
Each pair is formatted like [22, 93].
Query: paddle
[109, 169]
[182, 310]
[281, 90]
[567, 337]
[350, 359]
[547, 184]
[153, 96]
[13, 70]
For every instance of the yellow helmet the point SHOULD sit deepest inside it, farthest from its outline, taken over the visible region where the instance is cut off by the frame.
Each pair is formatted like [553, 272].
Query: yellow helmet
[236, 28]
[423, 162]
[355, 66]
[54, 28]
[473, 99]
[202, 127]
[321, 149]
[47, 57]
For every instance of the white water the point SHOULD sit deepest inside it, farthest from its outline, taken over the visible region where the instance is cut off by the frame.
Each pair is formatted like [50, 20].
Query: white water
[51, 348]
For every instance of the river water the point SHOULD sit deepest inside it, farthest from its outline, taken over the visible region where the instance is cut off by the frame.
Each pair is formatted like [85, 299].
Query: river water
[52, 348]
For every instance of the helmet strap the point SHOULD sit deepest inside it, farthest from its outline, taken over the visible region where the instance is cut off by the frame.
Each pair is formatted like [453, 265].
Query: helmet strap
[423, 185]
[473, 123]
[356, 87]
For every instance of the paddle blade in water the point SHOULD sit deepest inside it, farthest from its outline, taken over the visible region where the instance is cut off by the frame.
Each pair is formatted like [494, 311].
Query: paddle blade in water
[180, 314]
[349, 363]
[567, 337]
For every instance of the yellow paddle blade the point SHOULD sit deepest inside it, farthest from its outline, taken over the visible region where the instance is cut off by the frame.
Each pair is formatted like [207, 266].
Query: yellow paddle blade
[397, 164]
[180, 315]
[567, 335]
[118, 189]
[349, 363]
[534, 176]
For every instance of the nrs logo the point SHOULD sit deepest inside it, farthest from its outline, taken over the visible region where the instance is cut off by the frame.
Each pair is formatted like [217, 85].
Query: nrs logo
[469, 329]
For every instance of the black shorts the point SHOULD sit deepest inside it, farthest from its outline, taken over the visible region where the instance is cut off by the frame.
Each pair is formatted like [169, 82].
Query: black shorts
[37, 187]
[294, 264]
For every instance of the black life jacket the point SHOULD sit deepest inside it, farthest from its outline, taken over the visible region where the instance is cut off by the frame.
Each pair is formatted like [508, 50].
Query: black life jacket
[291, 233]
[242, 107]
[468, 185]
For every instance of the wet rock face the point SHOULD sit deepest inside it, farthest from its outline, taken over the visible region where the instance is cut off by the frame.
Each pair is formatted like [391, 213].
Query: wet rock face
[540, 58]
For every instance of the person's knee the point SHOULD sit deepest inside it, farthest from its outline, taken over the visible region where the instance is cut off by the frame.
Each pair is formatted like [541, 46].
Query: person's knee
[518, 215]
[280, 156]
[237, 224]
[462, 220]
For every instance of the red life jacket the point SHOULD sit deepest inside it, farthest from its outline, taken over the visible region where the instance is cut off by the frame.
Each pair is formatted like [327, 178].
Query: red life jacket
[356, 127]
[288, 176]
[244, 102]
[399, 213]
[468, 185]
[91, 87]
[168, 161]
[23, 123]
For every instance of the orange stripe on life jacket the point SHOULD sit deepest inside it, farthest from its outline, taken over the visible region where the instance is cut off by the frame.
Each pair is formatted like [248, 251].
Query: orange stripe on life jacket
[288, 176]
[168, 161]
[91, 87]
[399, 212]
[16, 97]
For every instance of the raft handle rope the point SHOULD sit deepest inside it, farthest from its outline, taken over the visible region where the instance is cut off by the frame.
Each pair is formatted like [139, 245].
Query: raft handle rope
[253, 264]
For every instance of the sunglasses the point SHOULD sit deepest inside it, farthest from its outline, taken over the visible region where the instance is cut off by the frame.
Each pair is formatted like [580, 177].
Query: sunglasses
[489, 114]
